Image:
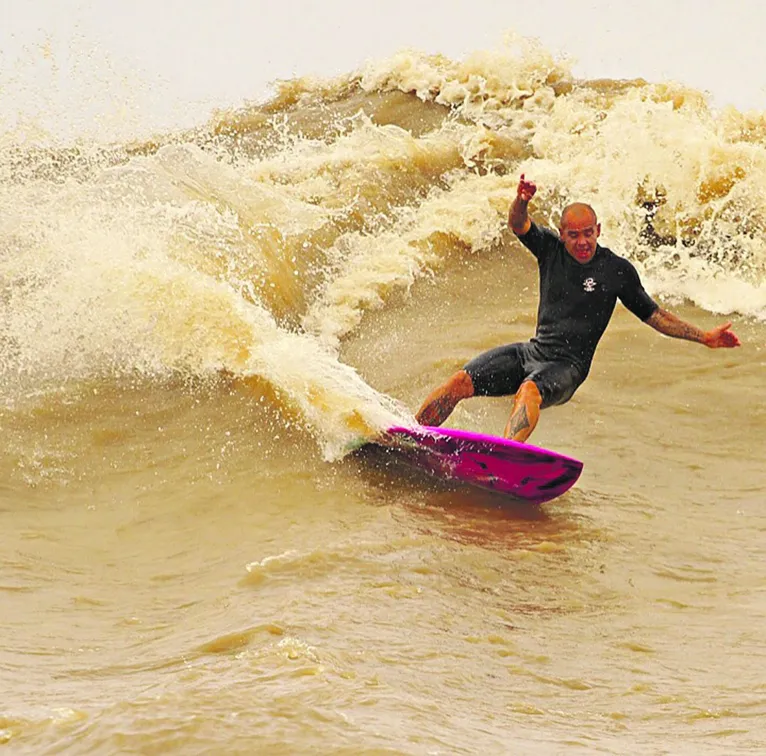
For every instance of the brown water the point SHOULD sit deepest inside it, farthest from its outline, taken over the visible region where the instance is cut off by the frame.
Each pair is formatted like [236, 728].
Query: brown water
[194, 329]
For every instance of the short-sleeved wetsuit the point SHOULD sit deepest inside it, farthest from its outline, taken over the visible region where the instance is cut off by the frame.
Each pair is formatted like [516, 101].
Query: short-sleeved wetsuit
[576, 303]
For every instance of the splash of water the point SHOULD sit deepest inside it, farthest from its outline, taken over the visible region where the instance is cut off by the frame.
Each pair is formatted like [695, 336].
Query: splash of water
[254, 245]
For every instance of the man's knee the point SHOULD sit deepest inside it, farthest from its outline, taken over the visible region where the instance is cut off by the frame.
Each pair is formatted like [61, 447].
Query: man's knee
[460, 385]
[529, 392]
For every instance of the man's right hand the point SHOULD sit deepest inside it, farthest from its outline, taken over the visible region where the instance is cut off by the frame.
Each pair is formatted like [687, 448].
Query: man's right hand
[526, 189]
[518, 218]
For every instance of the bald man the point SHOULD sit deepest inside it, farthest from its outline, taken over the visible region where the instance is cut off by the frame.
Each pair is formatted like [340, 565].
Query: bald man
[580, 282]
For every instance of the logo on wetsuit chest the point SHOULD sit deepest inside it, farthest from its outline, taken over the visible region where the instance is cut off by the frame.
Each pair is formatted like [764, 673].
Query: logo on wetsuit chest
[589, 284]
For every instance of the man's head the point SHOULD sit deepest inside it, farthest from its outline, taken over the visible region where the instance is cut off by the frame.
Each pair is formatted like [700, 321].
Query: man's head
[579, 230]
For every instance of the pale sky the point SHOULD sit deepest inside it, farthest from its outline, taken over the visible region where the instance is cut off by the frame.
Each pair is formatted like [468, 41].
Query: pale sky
[111, 67]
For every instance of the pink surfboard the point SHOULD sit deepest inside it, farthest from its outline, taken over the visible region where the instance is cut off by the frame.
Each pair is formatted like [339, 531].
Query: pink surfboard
[498, 464]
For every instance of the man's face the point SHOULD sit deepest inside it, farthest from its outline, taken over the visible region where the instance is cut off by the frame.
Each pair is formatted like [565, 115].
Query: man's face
[579, 231]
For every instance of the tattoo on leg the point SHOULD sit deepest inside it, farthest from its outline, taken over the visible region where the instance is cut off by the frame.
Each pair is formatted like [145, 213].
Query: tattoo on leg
[438, 411]
[442, 408]
[519, 420]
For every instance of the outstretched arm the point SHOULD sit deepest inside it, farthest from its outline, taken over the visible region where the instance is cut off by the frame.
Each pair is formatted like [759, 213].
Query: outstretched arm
[671, 325]
[518, 218]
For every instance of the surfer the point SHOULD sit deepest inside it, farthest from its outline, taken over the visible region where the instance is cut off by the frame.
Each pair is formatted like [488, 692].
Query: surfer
[580, 282]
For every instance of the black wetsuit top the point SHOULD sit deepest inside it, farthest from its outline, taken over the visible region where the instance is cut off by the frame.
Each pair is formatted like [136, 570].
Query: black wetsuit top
[577, 300]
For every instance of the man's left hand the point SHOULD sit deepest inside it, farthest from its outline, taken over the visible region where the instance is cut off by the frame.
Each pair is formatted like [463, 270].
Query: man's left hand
[721, 337]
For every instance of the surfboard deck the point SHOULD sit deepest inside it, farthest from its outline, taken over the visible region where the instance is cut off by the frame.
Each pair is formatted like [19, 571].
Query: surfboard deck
[498, 464]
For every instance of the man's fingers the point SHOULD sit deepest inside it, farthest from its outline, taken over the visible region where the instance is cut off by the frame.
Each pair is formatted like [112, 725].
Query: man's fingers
[526, 189]
[726, 337]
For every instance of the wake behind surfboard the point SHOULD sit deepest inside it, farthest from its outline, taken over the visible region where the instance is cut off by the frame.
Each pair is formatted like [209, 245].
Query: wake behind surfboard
[498, 464]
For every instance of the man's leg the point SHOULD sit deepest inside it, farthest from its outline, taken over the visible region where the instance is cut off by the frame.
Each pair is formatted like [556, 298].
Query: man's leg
[525, 412]
[440, 402]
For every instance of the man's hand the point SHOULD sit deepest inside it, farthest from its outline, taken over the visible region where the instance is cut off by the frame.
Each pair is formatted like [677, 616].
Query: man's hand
[526, 189]
[518, 219]
[721, 338]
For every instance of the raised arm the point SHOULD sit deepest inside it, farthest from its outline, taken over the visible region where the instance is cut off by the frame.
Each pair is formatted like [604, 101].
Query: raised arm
[671, 325]
[518, 217]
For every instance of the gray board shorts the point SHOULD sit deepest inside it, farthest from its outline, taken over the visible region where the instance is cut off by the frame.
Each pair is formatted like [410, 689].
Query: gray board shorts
[500, 372]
